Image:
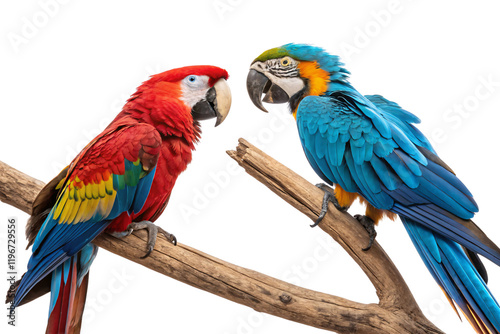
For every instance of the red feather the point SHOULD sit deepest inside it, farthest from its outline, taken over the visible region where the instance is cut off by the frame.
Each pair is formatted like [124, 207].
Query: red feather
[215, 73]
[66, 317]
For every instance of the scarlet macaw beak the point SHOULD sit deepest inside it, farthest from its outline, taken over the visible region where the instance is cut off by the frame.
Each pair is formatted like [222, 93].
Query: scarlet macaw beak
[216, 103]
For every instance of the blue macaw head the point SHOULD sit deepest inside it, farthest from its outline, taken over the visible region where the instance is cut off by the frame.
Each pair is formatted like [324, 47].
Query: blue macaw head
[291, 72]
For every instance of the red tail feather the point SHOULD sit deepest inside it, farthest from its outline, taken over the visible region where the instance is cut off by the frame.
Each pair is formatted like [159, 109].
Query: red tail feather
[66, 317]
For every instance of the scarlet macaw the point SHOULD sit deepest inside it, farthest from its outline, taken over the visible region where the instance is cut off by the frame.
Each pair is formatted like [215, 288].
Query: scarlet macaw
[120, 182]
[368, 147]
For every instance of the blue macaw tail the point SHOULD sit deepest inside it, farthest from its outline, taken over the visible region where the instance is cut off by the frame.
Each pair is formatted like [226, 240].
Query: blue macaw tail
[456, 275]
[68, 292]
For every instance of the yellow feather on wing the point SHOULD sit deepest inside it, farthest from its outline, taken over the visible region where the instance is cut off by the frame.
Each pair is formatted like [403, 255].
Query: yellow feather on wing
[71, 191]
[81, 192]
[102, 189]
[81, 212]
[103, 206]
[74, 211]
[60, 204]
[95, 190]
[109, 186]
[66, 211]
[88, 190]
[91, 208]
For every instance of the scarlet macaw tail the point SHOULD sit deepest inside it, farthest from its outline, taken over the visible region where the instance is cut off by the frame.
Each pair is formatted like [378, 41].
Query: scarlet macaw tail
[69, 291]
[456, 275]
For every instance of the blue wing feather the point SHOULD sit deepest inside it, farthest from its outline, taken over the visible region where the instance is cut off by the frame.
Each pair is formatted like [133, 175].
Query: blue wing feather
[328, 179]
[450, 266]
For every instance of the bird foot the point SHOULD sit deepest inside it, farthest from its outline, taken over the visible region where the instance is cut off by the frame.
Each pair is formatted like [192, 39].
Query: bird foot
[120, 234]
[328, 197]
[153, 231]
[369, 226]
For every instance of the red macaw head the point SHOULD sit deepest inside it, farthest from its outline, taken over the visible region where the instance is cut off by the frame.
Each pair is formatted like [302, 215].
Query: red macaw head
[202, 90]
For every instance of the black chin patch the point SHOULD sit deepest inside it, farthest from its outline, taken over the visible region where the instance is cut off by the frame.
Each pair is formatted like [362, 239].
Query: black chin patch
[297, 97]
[203, 110]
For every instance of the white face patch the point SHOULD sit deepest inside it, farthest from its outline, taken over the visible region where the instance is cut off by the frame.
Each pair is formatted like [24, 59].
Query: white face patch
[194, 89]
[291, 85]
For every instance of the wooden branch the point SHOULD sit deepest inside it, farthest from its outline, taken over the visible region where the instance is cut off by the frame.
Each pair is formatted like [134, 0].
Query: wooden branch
[397, 311]
[342, 227]
[18, 189]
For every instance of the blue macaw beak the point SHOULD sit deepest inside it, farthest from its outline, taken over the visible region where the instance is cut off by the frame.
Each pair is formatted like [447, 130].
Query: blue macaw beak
[258, 84]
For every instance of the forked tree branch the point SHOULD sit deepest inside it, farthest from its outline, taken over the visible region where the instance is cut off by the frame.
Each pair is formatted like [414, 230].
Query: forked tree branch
[396, 312]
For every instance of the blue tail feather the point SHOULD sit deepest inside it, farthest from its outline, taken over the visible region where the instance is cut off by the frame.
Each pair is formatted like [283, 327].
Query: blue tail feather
[453, 271]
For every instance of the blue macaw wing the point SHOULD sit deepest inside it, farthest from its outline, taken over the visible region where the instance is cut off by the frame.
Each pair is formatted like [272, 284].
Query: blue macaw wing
[369, 146]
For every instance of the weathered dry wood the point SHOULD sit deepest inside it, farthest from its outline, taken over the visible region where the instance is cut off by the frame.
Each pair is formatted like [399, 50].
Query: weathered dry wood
[397, 311]
[18, 189]
[342, 227]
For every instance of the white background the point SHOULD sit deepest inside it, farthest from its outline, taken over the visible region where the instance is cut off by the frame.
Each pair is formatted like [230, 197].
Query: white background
[63, 81]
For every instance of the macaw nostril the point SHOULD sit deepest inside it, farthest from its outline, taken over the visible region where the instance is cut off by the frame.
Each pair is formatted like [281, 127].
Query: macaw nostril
[261, 66]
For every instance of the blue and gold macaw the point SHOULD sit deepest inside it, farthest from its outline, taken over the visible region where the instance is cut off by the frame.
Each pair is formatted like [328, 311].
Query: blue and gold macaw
[368, 147]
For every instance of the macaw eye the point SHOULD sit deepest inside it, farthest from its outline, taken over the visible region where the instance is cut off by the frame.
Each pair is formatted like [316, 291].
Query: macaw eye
[195, 82]
[286, 61]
